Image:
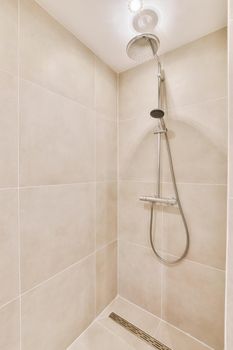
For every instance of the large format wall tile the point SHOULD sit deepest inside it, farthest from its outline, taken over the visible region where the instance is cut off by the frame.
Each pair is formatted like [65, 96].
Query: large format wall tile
[8, 130]
[10, 327]
[57, 138]
[55, 313]
[230, 165]
[106, 276]
[57, 228]
[137, 149]
[99, 338]
[197, 71]
[230, 101]
[140, 277]
[106, 149]
[138, 91]
[229, 276]
[106, 213]
[9, 36]
[229, 294]
[205, 160]
[205, 210]
[177, 340]
[52, 90]
[105, 90]
[230, 11]
[193, 300]
[53, 57]
[9, 250]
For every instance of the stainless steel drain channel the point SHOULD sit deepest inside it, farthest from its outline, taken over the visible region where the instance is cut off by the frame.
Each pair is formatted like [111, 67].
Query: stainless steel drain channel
[138, 332]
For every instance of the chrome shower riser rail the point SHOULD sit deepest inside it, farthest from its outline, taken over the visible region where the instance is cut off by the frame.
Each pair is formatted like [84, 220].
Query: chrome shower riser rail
[161, 131]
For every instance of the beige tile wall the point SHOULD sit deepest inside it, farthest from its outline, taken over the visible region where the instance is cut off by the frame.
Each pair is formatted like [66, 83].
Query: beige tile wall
[190, 295]
[58, 184]
[229, 277]
[58, 181]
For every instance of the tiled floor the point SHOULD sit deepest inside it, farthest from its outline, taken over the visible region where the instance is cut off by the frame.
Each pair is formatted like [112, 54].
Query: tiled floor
[105, 334]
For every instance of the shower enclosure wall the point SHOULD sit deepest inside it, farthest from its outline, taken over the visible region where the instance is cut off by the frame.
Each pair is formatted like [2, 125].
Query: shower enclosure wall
[191, 294]
[59, 181]
[229, 282]
[58, 142]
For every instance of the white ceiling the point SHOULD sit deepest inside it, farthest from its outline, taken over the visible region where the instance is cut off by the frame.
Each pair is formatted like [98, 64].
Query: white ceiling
[105, 26]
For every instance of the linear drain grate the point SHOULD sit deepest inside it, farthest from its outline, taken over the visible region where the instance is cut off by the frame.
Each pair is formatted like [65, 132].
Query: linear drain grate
[138, 332]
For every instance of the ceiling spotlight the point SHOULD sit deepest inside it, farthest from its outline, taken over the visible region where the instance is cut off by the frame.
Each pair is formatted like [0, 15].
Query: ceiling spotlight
[135, 5]
[145, 21]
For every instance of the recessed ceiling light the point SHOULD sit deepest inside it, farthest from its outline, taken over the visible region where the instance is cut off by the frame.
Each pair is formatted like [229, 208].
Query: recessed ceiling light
[135, 5]
[145, 21]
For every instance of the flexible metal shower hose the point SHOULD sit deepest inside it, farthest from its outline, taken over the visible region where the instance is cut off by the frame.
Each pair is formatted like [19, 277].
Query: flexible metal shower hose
[173, 262]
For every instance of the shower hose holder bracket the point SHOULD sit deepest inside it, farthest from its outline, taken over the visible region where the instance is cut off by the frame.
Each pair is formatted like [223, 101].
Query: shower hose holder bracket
[160, 131]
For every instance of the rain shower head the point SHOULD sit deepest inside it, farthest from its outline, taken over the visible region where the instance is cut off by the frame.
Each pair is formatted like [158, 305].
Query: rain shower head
[143, 47]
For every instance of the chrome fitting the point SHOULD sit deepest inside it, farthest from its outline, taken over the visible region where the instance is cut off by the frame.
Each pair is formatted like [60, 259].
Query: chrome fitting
[159, 200]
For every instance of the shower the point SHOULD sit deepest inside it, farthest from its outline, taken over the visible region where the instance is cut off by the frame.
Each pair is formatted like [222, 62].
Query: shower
[141, 48]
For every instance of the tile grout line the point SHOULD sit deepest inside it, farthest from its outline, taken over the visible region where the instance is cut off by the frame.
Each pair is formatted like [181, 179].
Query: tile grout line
[80, 335]
[18, 178]
[162, 268]
[91, 324]
[187, 334]
[10, 301]
[229, 198]
[198, 263]
[187, 260]
[95, 195]
[118, 186]
[161, 320]
[65, 269]
[101, 114]
[55, 185]
[156, 331]
[102, 313]
[104, 246]
[170, 183]
[13, 75]
[66, 184]
[57, 274]
[21, 188]
[178, 108]
[139, 307]
[123, 341]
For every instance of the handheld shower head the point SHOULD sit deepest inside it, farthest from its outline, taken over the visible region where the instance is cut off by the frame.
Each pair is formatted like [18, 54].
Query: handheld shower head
[143, 47]
[157, 113]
